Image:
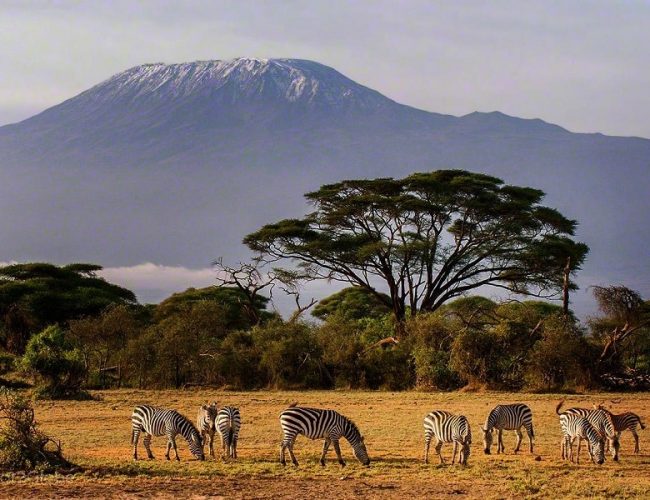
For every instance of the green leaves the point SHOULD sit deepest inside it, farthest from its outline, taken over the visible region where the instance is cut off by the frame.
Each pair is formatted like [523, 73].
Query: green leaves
[427, 238]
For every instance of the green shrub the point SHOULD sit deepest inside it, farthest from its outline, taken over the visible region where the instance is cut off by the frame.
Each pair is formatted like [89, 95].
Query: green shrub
[51, 357]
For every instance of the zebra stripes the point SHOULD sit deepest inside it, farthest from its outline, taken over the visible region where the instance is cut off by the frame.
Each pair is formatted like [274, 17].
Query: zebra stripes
[447, 428]
[154, 421]
[508, 417]
[602, 422]
[228, 423]
[576, 426]
[316, 423]
[205, 424]
[627, 421]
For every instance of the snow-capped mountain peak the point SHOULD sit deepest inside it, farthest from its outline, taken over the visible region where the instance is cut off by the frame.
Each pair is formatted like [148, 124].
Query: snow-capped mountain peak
[241, 79]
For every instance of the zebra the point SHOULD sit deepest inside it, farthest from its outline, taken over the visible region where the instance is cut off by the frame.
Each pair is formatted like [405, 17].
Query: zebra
[154, 421]
[508, 417]
[206, 425]
[447, 428]
[626, 421]
[228, 423]
[576, 426]
[317, 423]
[602, 421]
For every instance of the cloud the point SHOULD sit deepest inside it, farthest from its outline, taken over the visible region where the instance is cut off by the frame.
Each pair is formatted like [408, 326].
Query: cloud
[147, 278]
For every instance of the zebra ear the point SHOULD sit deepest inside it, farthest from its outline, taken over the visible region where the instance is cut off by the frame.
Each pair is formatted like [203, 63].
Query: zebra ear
[203, 407]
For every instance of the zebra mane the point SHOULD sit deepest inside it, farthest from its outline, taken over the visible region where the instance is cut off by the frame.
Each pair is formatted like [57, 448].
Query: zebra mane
[353, 427]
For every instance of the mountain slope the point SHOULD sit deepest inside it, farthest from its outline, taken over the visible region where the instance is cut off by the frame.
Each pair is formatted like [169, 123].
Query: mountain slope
[176, 163]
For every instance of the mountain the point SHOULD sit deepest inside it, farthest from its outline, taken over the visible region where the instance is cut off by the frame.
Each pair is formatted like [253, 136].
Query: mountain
[176, 163]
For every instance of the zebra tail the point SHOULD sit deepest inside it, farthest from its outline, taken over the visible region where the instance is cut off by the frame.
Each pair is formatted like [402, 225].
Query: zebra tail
[559, 405]
[132, 435]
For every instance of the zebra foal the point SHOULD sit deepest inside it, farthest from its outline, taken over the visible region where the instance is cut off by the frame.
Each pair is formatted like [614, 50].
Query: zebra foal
[205, 423]
[154, 421]
[315, 423]
[447, 428]
[510, 418]
[228, 423]
[576, 426]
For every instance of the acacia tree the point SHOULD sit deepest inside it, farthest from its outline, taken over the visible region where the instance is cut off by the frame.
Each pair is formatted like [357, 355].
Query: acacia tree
[427, 238]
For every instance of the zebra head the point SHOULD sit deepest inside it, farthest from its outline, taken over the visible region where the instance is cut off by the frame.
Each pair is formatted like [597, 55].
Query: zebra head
[360, 452]
[207, 416]
[196, 445]
[487, 440]
[597, 451]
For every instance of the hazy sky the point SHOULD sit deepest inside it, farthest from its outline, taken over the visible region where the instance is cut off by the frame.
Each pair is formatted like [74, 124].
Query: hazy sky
[582, 64]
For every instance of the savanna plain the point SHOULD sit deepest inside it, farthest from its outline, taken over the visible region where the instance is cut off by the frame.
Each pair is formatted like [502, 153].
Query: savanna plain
[96, 435]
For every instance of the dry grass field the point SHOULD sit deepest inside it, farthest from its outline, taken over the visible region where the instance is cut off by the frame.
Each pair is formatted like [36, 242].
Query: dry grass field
[95, 435]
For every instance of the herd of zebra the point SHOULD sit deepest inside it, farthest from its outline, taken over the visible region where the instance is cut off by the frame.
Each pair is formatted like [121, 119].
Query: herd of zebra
[600, 428]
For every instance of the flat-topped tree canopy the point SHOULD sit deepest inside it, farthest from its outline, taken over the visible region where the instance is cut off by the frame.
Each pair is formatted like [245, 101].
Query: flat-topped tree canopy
[427, 238]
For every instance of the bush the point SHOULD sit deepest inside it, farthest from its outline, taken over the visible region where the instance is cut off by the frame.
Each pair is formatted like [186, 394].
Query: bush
[560, 359]
[23, 447]
[290, 356]
[52, 358]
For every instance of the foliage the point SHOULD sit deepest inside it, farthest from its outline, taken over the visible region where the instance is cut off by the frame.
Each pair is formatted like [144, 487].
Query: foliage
[351, 303]
[102, 341]
[23, 447]
[560, 358]
[427, 238]
[290, 357]
[233, 302]
[52, 357]
[33, 296]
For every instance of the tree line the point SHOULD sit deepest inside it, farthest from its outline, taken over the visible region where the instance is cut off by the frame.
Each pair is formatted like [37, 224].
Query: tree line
[412, 252]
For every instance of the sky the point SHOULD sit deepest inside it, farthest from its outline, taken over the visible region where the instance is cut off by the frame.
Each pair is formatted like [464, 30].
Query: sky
[584, 65]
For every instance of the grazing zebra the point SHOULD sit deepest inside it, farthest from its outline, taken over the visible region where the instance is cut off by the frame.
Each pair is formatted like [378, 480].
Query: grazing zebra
[602, 421]
[228, 423]
[627, 421]
[575, 426]
[509, 418]
[205, 424]
[158, 421]
[315, 423]
[447, 428]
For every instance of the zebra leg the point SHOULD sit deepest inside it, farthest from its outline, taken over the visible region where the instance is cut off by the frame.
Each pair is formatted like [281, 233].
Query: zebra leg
[520, 437]
[453, 457]
[500, 447]
[147, 446]
[337, 449]
[326, 445]
[224, 447]
[169, 447]
[439, 451]
[531, 437]
[579, 444]
[427, 444]
[135, 436]
[291, 454]
[175, 448]
[283, 447]
[636, 440]
[211, 443]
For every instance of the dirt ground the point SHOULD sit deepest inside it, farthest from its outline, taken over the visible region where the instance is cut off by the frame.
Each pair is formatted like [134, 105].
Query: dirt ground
[95, 435]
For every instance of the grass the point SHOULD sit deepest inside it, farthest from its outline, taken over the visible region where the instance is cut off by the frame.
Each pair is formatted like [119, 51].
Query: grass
[95, 434]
